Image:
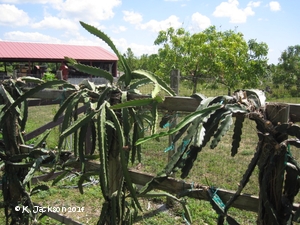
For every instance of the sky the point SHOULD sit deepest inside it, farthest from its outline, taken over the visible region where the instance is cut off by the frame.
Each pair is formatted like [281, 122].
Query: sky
[135, 23]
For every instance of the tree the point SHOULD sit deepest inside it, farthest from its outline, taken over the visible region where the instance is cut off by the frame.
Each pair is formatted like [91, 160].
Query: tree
[224, 57]
[118, 131]
[288, 68]
[149, 62]
[173, 54]
[257, 64]
[131, 59]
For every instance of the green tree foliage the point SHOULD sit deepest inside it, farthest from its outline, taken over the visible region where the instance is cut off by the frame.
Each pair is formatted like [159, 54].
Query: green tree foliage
[288, 69]
[149, 62]
[172, 53]
[114, 120]
[257, 61]
[6, 67]
[143, 62]
[224, 57]
[131, 59]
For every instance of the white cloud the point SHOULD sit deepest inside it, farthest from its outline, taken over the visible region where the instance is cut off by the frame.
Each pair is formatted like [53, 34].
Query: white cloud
[30, 36]
[156, 26]
[200, 21]
[254, 4]
[56, 23]
[143, 49]
[230, 9]
[138, 49]
[12, 16]
[153, 25]
[78, 39]
[274, 6]
[122, 28]
[118, 29]
[90, 11]
[132, 17]
[32, 1]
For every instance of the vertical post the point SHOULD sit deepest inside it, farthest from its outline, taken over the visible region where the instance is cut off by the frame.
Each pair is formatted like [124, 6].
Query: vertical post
[5, 69]
[174, 84]
[272, 165]
[195, 80]
[59, 74]
[15, 74]
[29, 68]
[175, 80]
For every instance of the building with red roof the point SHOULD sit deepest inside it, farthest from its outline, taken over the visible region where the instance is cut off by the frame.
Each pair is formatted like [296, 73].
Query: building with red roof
[33, 55]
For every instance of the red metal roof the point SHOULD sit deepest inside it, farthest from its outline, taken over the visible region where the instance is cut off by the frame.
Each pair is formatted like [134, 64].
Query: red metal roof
[53, 52]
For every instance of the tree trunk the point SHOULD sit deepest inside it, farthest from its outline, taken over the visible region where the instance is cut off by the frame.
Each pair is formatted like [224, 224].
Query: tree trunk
[174, 84]
[195, 81]
[229, 91]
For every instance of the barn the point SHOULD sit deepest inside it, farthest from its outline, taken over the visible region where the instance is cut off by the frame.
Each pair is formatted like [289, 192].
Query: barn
[33, 59]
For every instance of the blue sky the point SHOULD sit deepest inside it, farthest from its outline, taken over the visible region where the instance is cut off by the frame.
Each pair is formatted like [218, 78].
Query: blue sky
[135, 23]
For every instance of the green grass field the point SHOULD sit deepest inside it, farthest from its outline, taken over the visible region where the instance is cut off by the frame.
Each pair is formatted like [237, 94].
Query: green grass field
[214, 167]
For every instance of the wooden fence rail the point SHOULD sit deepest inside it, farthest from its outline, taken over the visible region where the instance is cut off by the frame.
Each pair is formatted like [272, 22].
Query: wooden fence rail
[177, 187]
[170, 185]
[171, 103]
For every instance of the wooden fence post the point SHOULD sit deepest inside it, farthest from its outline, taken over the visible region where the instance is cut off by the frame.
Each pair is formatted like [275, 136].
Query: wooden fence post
[175, 80]
[174, 84]
[272, 169]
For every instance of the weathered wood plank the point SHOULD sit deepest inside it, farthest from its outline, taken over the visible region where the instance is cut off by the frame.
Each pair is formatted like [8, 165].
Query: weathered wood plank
[294, 112]
[41, 102]
[172, 103]
[48, 93]
[178, 103]
[49, 125]
[181, 188]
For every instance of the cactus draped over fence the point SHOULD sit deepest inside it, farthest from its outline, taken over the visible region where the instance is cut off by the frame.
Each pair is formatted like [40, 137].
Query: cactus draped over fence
[117, 126]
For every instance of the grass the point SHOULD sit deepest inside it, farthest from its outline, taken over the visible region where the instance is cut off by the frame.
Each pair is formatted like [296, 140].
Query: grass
[213, 167]
[87, 206]
[39, 116]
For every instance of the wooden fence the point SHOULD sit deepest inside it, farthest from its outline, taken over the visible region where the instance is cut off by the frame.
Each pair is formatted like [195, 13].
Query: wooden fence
[171, 185]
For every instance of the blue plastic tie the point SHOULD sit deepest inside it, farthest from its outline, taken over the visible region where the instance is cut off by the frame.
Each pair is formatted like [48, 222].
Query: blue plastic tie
[185, 220]
[184, 144]
[166, 125]
[171, 147]
[217, 199]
